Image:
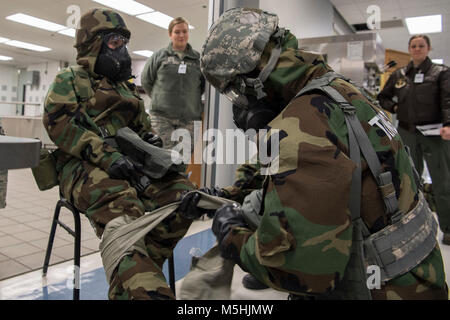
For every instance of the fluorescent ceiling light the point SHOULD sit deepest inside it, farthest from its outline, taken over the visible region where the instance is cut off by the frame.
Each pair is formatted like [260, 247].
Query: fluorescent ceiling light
[3, 40]
[425, 24]
[145, 53]
[26, 45]
[4, 58]
[157, 18]
[130, 7]
[438, 61]
[68, 32]
[140, 11]
[36, 22]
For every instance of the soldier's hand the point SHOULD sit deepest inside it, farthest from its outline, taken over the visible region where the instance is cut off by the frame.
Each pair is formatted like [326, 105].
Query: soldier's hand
[153, 139]
[124, 169]
[227, 216]
[189, 209]
[215, 191]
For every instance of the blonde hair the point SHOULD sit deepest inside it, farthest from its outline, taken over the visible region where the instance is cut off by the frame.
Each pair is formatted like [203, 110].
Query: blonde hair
[176, 21]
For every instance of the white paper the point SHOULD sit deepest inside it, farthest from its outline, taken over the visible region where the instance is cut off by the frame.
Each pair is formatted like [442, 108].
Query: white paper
[430, 129]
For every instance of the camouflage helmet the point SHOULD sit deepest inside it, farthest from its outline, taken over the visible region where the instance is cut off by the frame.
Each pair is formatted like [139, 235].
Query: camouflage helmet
[93, 25]
[233, 48]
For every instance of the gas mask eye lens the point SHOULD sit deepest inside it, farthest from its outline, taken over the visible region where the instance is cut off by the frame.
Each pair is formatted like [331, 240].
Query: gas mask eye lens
[115, 40]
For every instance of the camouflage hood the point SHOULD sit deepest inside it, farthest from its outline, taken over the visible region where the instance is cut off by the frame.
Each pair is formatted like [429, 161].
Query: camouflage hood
[93, 25]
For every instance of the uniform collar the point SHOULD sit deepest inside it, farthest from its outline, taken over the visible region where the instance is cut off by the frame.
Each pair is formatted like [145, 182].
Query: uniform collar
[424, 66]
[189, 52]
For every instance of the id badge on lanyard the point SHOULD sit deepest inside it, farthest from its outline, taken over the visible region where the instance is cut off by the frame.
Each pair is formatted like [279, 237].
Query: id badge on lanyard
[182, 68]
[419, 78]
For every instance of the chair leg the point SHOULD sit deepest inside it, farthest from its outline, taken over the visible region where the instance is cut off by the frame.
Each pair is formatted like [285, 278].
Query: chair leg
[76, 256]
[77, 244]
[171, 266]
[51, 238]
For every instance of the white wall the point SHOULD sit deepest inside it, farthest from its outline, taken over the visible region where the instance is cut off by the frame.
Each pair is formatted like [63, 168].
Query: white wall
[137, 66]
[36, 94]
[304, 18]
[8, 89]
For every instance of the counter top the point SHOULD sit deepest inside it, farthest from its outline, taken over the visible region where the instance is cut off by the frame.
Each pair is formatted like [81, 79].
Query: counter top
[18, 153]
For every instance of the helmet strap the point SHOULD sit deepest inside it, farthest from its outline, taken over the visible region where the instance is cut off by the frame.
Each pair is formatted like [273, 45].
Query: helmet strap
[257, 83]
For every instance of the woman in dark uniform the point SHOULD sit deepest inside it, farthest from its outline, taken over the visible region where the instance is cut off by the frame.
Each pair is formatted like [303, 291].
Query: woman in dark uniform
[420, 95]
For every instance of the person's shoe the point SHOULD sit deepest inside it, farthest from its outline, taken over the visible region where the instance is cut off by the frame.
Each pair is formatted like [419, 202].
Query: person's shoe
[446, 239]
[250, 282]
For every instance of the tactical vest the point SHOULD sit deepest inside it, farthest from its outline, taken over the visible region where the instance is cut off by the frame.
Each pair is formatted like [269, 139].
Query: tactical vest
[397, 248]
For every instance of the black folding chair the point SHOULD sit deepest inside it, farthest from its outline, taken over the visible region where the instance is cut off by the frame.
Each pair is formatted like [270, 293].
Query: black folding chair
[77, 246]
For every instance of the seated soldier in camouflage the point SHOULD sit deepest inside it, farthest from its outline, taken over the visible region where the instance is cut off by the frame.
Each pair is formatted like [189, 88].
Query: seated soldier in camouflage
[312, 241]
[85, 105]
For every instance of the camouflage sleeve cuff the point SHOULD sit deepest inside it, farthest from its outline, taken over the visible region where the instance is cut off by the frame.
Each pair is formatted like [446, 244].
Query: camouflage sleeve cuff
[235, 241]
[108, 159]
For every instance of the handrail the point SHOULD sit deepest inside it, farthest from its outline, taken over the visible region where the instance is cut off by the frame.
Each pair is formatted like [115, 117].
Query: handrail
[21, 103]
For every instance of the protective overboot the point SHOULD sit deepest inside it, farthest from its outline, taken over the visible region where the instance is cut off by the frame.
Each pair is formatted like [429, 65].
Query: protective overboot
[250, 282]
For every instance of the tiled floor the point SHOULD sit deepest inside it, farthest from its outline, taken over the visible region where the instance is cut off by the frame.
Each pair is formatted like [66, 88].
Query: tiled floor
[25, 226]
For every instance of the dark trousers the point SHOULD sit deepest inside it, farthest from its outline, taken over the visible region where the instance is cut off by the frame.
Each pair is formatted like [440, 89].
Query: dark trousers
[436, 153]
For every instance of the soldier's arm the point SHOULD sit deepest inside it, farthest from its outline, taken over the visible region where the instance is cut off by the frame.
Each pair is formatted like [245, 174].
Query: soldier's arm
[388, 92]
[70, 127]
[247, 178]
[149, 72]
[304, 239]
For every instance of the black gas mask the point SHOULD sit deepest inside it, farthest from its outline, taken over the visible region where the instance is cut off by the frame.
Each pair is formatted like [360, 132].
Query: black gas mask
[114, 64]
[249, 112]
[256, 114]
[256, 117]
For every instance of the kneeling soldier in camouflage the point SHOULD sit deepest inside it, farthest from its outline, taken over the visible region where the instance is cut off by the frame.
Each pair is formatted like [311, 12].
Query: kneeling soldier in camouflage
[345, 197]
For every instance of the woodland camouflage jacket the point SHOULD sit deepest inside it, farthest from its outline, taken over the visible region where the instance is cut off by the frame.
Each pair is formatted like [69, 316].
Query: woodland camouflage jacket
[303, 243]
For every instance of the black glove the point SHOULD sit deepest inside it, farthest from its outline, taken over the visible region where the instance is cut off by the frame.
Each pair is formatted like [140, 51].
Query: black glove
[227, 216]
[124, 169]
[216, 191]
[188, 207]
[153, 139]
